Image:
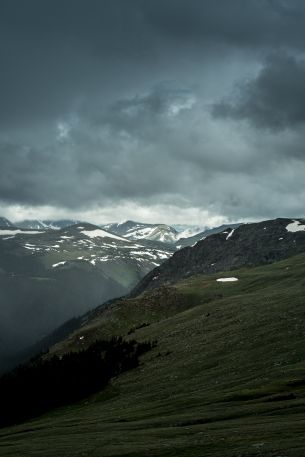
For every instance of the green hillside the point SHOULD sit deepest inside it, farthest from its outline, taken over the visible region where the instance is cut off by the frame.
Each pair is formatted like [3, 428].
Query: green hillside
[226, 379]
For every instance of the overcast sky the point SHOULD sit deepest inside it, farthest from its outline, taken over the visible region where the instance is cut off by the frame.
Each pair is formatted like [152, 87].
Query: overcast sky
[176, 111]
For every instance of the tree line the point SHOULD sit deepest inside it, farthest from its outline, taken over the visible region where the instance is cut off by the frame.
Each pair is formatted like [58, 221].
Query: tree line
[46, 383]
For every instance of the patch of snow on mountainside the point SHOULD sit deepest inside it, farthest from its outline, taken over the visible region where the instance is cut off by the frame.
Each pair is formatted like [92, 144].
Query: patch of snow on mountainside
[57, 264]
[227, 279]
[99, 233]
[295, 226]
[230, 234]
[140, 233]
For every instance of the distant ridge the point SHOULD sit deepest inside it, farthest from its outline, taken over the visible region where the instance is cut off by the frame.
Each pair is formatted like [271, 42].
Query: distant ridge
[37, 224]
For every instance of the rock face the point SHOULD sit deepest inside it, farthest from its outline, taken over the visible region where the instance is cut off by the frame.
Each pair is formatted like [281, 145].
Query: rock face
[248, 245]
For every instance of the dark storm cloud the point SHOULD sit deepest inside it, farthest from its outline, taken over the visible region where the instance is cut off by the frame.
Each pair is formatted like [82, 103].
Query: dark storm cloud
[144, 114]
[160, 147]
[274, 99]
[252, 23]
[113, 151]
[108, 102]
[55, 52]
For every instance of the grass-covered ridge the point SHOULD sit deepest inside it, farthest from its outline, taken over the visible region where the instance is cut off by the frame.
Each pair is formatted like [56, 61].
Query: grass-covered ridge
[227, 377]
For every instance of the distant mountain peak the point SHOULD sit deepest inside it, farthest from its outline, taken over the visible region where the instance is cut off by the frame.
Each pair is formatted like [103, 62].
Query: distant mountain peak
[141, 231]
[4, 222]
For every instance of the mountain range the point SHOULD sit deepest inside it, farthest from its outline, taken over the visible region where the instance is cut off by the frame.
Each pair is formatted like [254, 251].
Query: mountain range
[178, 235]
[226, 374]
[59, 274]
[54, 270]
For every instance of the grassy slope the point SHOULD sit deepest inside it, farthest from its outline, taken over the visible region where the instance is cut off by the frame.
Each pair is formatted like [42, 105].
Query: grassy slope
[226, 379]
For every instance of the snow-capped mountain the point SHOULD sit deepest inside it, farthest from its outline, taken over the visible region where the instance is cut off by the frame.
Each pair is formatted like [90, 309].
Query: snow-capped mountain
[178, 235]
[140, 231]
[5, 222]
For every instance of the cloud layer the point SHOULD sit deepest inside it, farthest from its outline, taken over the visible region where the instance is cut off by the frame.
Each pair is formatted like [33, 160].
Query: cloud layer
[167, 109]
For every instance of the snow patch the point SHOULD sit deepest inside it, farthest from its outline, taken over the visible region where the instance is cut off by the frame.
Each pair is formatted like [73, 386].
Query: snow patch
[227, 279]
[59, 263]
[295, 226]
[230, 234]
[31, 248]
[99, 233]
